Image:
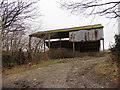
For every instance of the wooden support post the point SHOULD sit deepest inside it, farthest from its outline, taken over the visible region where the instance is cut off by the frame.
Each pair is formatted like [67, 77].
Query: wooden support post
[103, 44]
[29, 52]
[44, 45]
[30, 43]
[49, 40]
[73, 45]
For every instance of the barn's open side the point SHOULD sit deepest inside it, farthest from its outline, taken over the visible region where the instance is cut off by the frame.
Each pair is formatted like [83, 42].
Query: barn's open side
[83, 39]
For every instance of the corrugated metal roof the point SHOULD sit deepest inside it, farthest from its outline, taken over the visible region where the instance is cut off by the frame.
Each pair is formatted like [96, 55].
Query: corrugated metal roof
[86, 35]
[67, 29]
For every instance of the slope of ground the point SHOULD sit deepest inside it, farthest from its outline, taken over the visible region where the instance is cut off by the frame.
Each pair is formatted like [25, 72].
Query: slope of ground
[66, 74]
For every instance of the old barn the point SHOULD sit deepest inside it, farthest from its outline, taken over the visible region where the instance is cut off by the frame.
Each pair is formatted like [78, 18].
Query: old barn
[83, 39]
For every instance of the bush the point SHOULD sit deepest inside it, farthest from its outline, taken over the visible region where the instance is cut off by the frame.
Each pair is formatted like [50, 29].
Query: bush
[38, 56]
[10, 59]
[60, 53]
[66, 53]
[115, 49]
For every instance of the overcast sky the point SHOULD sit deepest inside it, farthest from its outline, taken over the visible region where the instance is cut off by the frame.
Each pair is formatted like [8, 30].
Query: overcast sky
[55, 18]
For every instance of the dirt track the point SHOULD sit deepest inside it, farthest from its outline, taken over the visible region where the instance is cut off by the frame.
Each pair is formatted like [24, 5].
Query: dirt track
[67, 74]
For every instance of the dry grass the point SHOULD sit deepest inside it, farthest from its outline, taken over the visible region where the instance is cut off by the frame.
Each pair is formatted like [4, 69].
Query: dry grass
[34, 65]
[51, 57]
[108, 68]
[66, 53]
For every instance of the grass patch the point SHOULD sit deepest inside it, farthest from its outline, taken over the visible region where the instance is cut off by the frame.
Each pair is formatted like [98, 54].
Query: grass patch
[30, 66]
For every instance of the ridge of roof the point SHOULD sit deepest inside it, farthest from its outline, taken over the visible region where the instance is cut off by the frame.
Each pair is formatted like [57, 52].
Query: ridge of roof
[68, 29]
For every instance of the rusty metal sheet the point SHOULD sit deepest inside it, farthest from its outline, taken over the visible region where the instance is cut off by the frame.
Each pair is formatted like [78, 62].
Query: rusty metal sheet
[86, 35]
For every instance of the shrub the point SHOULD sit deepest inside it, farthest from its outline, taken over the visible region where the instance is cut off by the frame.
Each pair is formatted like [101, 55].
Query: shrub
[66, 53]
[10, 59]
[115, 49]
[37, 56]
[60, 53]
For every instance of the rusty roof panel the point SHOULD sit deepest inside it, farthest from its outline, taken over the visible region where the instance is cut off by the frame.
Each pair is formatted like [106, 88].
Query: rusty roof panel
[86, 35]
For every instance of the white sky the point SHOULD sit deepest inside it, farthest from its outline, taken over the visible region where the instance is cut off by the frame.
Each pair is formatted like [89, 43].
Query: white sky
[55, 18]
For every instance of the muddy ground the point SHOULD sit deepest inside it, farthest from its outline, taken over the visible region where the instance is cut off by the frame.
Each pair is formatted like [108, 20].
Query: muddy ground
[66, 74]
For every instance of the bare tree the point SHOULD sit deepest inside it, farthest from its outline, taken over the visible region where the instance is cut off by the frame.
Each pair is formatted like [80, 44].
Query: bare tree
[92, 7]
[14, 12]
[13, 17]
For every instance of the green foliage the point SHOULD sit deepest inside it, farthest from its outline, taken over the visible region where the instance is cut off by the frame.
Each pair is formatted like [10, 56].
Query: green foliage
[116, 49]
[11, 59]
[8, 60]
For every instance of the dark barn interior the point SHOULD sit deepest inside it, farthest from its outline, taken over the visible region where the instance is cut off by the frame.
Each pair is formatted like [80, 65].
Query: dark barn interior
[60, 34]
[79, 46]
